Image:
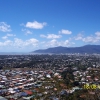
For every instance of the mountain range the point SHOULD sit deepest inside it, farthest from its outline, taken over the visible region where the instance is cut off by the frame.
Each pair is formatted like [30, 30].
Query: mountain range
[83, 49]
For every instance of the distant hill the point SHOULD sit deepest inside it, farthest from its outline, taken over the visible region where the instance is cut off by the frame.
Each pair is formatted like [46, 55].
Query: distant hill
[84, 49]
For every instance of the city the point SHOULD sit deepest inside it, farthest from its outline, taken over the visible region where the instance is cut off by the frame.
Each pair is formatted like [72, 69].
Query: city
[50, 77]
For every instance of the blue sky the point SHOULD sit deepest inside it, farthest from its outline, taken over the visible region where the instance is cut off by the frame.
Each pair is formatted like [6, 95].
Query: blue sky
[28, 25]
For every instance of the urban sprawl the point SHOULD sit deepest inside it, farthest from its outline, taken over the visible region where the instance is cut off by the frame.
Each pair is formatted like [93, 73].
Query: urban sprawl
[50, 77]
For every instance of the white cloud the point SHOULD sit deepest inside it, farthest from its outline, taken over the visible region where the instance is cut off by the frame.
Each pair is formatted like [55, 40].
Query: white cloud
[92, 39]
[8, 35]
[79, 37]
[43, 36]
[35, 25]
[32, 42]
[65, 32]
[6, 43]
[4, 37]
[27, 32]
[51, 36]
[89, 39]
[55, 43]
[4, 27]
[20, 43]
[97, 34]
[67, 42]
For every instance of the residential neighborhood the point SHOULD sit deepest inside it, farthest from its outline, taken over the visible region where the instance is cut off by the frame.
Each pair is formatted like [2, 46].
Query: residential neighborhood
[50, 77]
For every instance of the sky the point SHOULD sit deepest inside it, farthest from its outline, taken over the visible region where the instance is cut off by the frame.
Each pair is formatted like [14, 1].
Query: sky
[28, 25]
